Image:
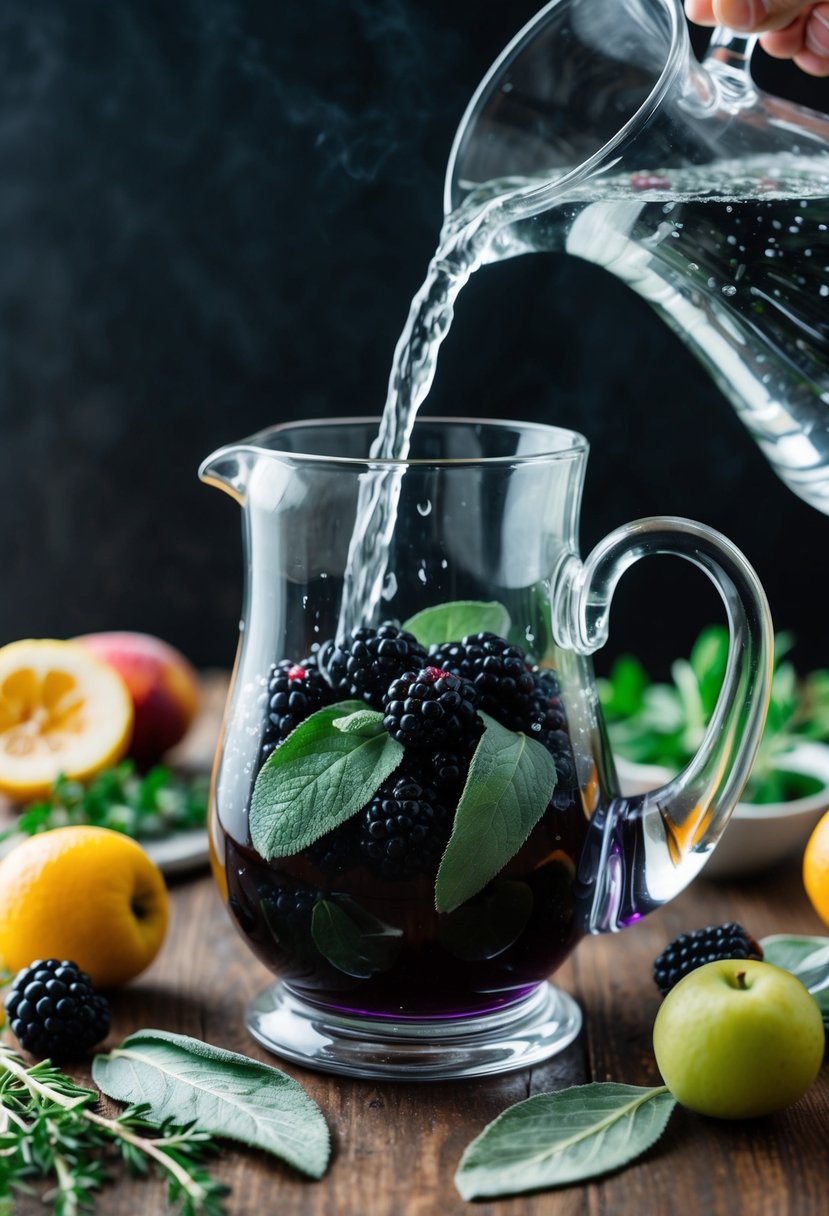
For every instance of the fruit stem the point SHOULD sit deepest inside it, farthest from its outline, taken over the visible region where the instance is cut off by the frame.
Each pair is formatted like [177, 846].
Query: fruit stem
[741, 980]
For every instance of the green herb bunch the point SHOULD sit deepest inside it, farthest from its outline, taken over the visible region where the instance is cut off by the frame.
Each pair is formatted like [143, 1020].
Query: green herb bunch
[52, 1131]
[144, 807]
[663, 724]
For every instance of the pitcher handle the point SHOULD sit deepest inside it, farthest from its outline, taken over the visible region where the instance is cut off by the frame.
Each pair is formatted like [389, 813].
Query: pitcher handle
[728, 60]
[642, 851]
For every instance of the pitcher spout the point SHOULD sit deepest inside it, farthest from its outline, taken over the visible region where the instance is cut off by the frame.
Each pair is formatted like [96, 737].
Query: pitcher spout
[228, 468]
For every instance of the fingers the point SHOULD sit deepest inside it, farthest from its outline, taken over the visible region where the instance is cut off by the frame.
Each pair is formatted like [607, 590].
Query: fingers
[805, 40]
[757, 16]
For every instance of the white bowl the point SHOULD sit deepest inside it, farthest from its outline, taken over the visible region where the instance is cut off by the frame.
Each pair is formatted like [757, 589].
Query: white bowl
[756, 837]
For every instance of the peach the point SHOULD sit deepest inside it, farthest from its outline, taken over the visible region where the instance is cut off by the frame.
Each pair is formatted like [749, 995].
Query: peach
[162, 683]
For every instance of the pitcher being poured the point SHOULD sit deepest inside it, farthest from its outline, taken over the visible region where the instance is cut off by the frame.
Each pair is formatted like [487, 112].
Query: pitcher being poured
[598, 134]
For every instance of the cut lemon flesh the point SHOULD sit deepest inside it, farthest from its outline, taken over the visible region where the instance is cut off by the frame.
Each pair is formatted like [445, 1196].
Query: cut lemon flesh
[62, 711]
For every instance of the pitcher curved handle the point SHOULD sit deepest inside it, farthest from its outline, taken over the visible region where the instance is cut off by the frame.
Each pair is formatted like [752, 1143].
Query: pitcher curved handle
[642, 851]
[728, 60]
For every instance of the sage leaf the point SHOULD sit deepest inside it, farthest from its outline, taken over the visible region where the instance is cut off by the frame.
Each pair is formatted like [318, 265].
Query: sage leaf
[351, 939]
[510, 783]
[221, 1092]
[453, 621]
[488, 926]
[318, 778]
[367, 722]
[805, 957]
[554, 1139]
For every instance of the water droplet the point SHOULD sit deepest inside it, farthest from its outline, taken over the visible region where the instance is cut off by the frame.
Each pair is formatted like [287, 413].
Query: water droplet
[693, 266]
[389, 586]
[424, 508]
[712, 282]
[729, 290]
[323, 574]
[443, 563]
[824, 290]
[421, 574]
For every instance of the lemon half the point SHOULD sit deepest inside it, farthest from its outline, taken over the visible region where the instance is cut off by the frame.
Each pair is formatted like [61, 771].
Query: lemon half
[62, 711]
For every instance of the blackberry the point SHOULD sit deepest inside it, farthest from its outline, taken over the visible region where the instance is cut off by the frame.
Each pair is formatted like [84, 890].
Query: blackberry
[431, 709]
[54, 1011]
[546, 722]
[404, 828]
[496, 669]
[295, 691]
[362, 666]
[692, 950]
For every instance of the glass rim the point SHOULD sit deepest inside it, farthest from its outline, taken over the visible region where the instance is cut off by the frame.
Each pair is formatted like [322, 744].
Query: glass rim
[565, 444]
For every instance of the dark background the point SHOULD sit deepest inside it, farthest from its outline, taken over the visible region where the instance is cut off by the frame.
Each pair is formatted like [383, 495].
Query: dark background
[213, 216]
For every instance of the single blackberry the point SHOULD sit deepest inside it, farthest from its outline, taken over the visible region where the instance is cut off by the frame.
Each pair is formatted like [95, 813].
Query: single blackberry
[431, 709]
[287, 906]
[546, 722]
[295, 691]
[692, 950]
[496, 669]
[54, 1011]
[404, 829]
[362, 666]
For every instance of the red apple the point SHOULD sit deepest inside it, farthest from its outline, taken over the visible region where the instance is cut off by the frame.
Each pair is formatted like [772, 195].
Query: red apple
[162, 683]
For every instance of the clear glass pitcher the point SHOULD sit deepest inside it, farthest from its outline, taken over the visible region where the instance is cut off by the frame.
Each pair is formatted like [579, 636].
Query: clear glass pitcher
[413, 823]
[598, 133]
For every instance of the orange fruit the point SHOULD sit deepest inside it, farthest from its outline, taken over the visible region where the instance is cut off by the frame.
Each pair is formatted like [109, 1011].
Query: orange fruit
[61, 711]
[86, 894]
[816, 868]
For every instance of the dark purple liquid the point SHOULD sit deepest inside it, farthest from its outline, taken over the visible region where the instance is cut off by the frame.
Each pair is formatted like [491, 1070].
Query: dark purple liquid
[487, 955]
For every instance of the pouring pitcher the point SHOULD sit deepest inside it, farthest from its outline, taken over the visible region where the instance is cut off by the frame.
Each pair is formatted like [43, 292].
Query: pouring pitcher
[599, 134]
[415, 815]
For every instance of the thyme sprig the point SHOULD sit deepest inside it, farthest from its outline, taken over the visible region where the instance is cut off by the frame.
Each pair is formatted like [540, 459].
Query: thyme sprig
[50, 1131]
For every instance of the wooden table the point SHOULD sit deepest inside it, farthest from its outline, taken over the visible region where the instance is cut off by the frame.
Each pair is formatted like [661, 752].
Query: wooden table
[396, 1146]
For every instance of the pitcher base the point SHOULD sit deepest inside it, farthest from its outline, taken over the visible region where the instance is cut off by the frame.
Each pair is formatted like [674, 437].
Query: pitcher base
[538, 1027]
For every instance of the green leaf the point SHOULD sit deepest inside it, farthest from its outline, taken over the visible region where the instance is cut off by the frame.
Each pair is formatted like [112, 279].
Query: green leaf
[353, 940]
[487, 927]
[511, 781]
[366, 722]
[453, 621]
[319, 777]
[553, 1139]
[188, 1081]
[805, 957]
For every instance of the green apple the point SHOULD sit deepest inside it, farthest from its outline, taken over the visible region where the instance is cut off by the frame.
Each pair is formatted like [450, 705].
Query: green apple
[738, 1038]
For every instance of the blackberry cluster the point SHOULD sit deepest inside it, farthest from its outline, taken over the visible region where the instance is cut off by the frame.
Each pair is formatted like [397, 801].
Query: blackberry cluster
[404, 829]
[692, 950]
[295, 691]
[54, 1011]
[362, 666]
[431, 709]
[497, 671]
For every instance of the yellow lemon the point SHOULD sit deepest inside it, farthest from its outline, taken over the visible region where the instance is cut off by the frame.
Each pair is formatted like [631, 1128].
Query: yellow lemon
[86, 894]
[61, 711]
[816, 869]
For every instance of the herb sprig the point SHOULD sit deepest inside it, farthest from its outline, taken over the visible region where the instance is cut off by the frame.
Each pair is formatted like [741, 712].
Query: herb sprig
[144, 807]
[52, 1132]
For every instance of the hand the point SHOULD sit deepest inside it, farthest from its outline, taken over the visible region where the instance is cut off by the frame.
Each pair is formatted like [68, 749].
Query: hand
[789, 29]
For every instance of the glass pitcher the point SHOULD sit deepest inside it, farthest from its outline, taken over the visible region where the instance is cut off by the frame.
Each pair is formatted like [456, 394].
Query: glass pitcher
[598, 133]
[414, 822]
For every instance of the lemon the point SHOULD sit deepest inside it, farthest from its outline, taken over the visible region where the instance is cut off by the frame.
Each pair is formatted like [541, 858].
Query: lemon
[86, 894]
[61, 711]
